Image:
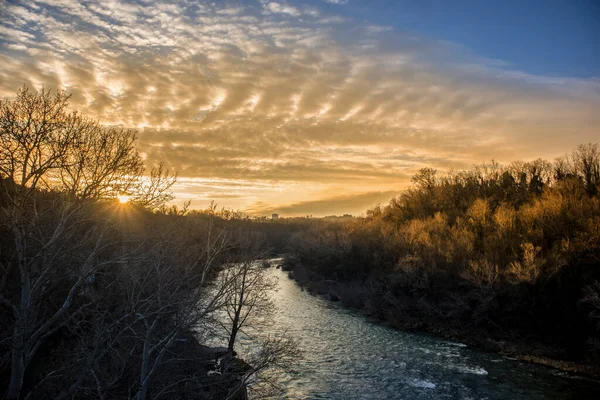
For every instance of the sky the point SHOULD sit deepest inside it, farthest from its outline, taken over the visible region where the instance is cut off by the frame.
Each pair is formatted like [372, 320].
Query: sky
[320, 107]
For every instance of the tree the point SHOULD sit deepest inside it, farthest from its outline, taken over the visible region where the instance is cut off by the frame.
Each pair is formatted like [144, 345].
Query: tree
[173, 296]
[52, 164]
[153, 192]
[248, 296]
[45, 147]
[141, 308]
[102, 162]
[273, 354]
[52, 258]
[425, 179]
[248, 304]
[586, 162]
[36, 134]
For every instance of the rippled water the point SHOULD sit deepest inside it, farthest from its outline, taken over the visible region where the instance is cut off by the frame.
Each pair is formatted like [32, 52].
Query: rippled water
[346, 356]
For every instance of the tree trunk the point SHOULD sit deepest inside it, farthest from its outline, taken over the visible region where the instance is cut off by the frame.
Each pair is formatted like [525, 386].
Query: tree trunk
[144, 382]
[234, 332]
[236, 320]
[17, 371]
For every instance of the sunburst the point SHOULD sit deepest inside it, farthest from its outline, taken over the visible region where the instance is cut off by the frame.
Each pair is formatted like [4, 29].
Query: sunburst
[123, 199]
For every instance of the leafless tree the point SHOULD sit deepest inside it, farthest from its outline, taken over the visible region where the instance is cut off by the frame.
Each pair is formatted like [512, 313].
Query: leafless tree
[586, 162]
[35, 136]
[249, 309]
[154, 191]
[273, 356]
[52, 163]
[181, 296]
[249, 296]
[43, 146]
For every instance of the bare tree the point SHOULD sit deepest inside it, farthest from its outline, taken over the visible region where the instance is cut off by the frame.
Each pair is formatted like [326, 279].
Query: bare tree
[147, 305]
[586, 162]
[53, 262]
[43, 146]
[180, 297]
[272, 356]
[425, 179]
[102, 163]
[56, 247]
[153, 192]
[36, 134]
[249, 296]
[249, 306]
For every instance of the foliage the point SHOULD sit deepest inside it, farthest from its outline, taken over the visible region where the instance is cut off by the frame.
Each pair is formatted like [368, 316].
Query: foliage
[501, 252]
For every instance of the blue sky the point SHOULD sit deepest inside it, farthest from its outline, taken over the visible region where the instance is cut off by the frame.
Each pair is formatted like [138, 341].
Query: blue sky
[323, 105]
[548, 37]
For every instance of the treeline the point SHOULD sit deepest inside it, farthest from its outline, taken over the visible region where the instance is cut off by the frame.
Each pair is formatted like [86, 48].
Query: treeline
[105, 300]
[275, 234]
[504, 256]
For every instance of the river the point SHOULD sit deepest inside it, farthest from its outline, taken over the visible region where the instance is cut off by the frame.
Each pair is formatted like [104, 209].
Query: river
[347, 356]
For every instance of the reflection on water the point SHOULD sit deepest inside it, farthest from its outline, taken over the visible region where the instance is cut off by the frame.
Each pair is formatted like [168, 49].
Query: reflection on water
[346, 356]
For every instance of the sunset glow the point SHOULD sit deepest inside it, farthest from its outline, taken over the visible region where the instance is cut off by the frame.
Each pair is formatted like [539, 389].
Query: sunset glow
[123, 199]
[317, 107]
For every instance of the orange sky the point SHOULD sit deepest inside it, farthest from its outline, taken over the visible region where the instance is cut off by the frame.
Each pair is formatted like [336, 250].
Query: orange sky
[288, 109]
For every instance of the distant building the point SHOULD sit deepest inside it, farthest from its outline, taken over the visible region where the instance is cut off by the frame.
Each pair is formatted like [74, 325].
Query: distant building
[274, 217]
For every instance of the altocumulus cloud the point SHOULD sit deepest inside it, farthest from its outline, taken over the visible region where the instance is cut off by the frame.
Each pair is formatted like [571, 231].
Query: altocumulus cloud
[273, 106]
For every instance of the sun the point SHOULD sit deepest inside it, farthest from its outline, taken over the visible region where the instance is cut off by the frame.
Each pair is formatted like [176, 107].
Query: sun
[123, 199]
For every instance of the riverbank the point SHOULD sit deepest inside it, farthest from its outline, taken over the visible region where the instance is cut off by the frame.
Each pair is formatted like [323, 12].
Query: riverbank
[511, 346]
[219, 373]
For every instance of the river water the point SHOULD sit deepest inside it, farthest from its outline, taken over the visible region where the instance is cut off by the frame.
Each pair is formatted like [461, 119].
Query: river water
[347, 356]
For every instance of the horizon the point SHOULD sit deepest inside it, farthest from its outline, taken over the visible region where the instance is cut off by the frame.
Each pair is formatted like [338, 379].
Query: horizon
[316, 107]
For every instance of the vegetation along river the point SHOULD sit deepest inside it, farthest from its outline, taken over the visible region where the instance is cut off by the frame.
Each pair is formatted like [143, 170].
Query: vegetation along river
[347, 356]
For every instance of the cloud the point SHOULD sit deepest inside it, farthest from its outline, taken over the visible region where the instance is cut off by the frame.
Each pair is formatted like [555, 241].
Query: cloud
[287, 96]
[274, 7]
[354, 204]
